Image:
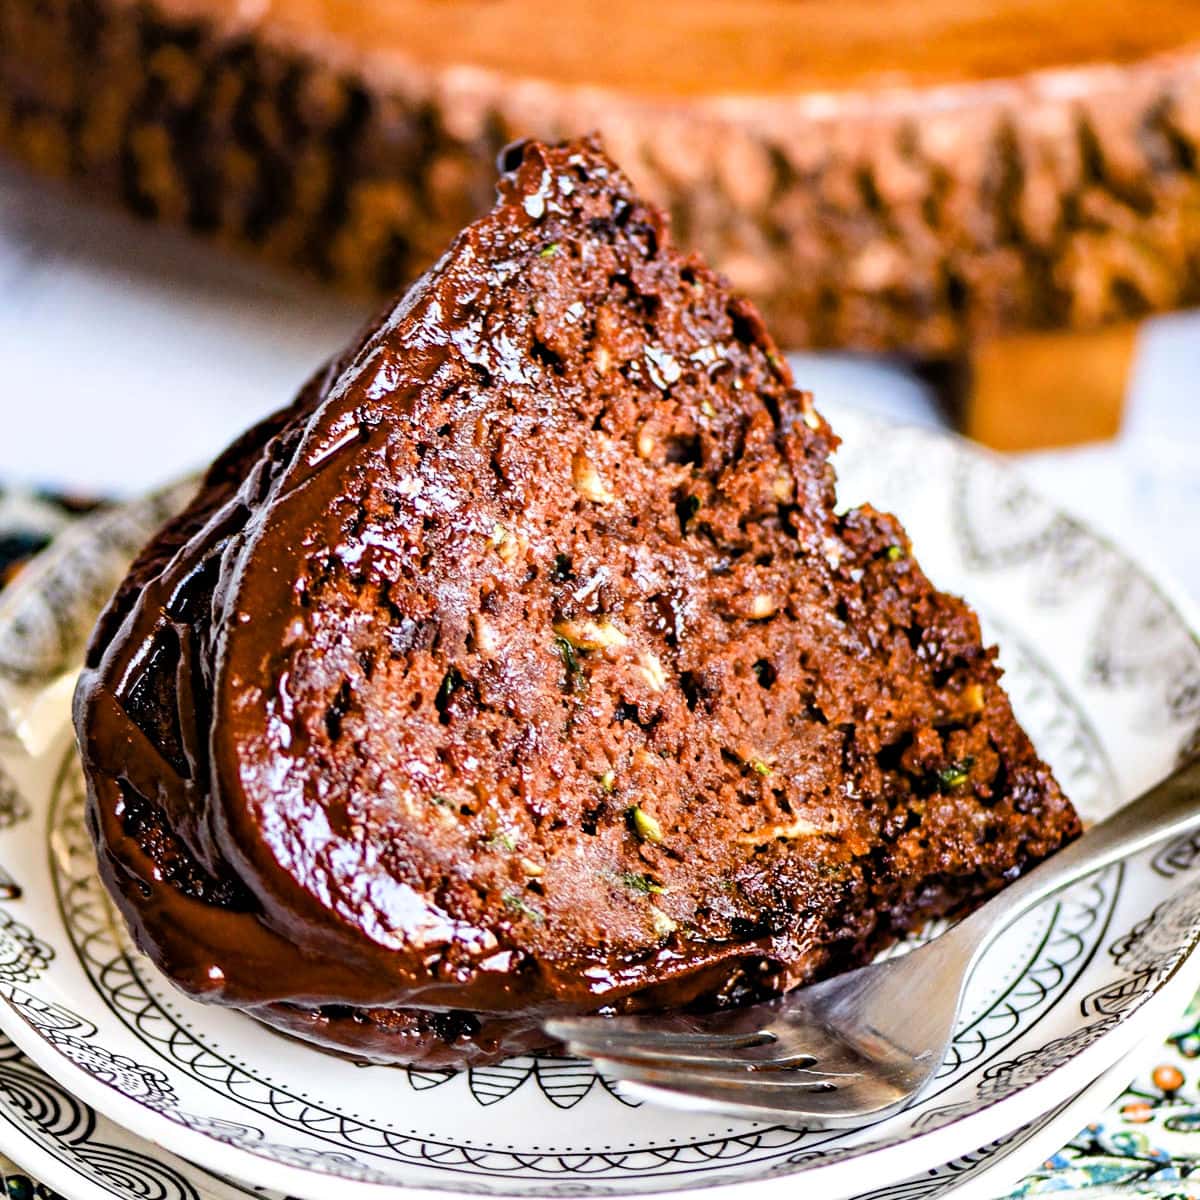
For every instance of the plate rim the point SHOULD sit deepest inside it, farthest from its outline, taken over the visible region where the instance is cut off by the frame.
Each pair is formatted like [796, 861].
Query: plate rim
[24, 1150]
[986, 1124]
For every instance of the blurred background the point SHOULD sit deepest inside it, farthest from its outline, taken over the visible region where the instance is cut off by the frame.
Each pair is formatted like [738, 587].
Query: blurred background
[984, 216]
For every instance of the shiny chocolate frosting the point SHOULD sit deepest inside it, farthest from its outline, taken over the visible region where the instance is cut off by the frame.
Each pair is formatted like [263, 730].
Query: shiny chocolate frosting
[524, 665]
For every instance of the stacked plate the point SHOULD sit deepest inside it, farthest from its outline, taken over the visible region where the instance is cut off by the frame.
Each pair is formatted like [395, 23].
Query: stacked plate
[113, 1084]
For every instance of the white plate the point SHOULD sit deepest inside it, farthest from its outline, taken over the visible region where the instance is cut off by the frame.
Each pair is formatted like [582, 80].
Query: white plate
[1103, 670]
[84, 1156]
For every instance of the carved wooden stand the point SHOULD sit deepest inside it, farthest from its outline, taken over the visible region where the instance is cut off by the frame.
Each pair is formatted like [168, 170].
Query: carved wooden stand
[925, 177]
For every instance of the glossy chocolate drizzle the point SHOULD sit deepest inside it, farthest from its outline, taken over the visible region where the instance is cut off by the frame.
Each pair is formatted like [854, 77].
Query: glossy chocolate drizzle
[346, 724]
[162, 698]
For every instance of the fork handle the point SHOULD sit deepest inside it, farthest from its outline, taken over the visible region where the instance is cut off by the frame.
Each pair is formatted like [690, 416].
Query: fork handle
[1170, 809]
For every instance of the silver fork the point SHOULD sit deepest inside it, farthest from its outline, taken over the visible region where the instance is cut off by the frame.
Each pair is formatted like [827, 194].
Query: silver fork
[863, 1044]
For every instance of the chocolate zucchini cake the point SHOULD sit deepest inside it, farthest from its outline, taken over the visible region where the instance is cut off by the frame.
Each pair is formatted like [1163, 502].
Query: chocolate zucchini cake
[524, 665]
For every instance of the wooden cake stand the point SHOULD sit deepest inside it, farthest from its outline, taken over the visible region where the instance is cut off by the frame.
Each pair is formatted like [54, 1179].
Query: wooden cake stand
[1009, 184]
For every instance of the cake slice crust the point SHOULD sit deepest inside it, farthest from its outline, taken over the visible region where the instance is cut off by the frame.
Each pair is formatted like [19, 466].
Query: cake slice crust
[525, 665]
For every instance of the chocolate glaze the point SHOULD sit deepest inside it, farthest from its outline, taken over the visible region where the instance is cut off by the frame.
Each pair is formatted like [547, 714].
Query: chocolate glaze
[523, 666]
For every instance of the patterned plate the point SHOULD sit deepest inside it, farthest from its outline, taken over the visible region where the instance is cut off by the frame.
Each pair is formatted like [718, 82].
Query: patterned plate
[1103, 670]
[84, 1156]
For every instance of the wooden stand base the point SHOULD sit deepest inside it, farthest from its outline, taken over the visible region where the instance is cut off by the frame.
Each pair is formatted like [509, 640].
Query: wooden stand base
[1030, 391]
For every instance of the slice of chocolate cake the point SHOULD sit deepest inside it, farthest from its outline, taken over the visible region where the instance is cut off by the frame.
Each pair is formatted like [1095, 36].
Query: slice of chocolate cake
[524, 666]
